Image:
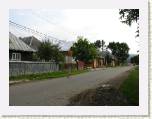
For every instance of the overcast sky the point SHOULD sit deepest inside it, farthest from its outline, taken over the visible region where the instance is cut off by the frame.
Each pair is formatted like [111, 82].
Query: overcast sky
[93, 24]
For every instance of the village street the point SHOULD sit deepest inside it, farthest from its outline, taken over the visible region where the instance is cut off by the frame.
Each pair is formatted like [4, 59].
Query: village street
[58, 91]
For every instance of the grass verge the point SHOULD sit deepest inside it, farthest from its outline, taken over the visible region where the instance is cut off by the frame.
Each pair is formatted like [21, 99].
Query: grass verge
[42, 76]
[130, 87]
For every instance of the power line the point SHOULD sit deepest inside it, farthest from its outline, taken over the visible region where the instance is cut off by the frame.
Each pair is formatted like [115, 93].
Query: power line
[42, 35]
[45, 18]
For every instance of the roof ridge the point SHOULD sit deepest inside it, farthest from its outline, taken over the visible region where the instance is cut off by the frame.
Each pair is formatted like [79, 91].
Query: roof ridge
[18, 44]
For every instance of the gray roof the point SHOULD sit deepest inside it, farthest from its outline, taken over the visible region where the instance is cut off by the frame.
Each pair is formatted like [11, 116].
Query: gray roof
[31, 41]
[16, 44]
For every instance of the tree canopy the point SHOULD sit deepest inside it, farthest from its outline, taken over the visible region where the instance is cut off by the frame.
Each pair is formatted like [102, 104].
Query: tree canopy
[83, 50]
[119, 50]
[135, 60]
[100, 44]
[129, 16]
[48, 51]
[97, 43]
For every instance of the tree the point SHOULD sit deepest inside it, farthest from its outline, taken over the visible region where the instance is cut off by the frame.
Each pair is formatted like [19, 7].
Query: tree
[97, 43]
[119, 50]
[135, 60]
[83, 50]
[129, 16]
[100, 44]
[47, 51]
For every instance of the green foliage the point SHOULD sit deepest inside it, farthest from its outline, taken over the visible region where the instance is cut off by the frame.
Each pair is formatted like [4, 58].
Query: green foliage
[135, 60]
[48, 51]
[100, 44]
[35, 57]
[42, 76]
[83, 50]
[119, 50]
[130, 87]
[97, 43]
[129, 16]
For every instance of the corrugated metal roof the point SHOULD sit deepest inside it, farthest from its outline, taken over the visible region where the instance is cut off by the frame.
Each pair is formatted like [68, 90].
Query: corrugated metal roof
[17, 44]
[31, 41]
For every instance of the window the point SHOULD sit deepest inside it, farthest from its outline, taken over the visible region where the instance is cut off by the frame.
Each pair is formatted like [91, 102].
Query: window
[16, 56]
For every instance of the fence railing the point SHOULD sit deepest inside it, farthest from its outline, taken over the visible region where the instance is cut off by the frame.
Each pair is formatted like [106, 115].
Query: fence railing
[27, 67]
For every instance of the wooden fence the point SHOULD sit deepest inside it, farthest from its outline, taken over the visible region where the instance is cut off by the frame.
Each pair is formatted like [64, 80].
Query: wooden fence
[26, 67]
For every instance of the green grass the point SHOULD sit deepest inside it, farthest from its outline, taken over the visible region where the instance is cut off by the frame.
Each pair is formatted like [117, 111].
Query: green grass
[130, 87]
[42, 76]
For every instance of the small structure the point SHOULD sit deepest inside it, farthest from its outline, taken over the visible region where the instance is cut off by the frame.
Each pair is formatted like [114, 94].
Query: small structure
[18, 50]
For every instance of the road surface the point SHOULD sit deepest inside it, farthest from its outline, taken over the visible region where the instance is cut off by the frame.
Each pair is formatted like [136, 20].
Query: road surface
[56, 92]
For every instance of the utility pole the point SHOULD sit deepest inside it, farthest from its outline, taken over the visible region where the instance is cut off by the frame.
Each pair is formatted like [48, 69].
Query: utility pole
[69, 63]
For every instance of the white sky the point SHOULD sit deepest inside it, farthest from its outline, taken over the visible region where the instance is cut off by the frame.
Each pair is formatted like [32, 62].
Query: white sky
[93, 24]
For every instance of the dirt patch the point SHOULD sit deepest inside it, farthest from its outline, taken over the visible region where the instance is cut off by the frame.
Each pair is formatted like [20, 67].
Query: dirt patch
[107, 94]
[99, 97]
[117, 81]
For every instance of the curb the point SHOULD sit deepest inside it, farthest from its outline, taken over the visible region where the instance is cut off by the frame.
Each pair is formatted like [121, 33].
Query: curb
[17, 82]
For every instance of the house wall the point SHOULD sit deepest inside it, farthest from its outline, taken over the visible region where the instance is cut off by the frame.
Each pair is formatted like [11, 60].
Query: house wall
[95, 63]
[113, 63]
[25, 56]
[98, 63]
[102, 62]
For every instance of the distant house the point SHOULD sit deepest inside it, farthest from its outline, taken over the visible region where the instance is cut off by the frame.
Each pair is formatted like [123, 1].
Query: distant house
[105, 58]
[18, 50]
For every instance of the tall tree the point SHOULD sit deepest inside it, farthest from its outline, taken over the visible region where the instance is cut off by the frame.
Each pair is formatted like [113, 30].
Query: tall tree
[48, 51]
[129, 16]
[83, 50]
[97, 43]
[119, 50]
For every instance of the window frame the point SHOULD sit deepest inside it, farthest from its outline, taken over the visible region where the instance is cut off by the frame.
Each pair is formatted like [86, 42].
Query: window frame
[16, 57]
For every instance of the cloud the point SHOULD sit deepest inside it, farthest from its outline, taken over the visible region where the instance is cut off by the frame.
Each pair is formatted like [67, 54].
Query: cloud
[67, 24]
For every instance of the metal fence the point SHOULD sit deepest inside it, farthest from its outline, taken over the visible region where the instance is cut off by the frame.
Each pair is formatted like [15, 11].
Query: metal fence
[26, 67]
